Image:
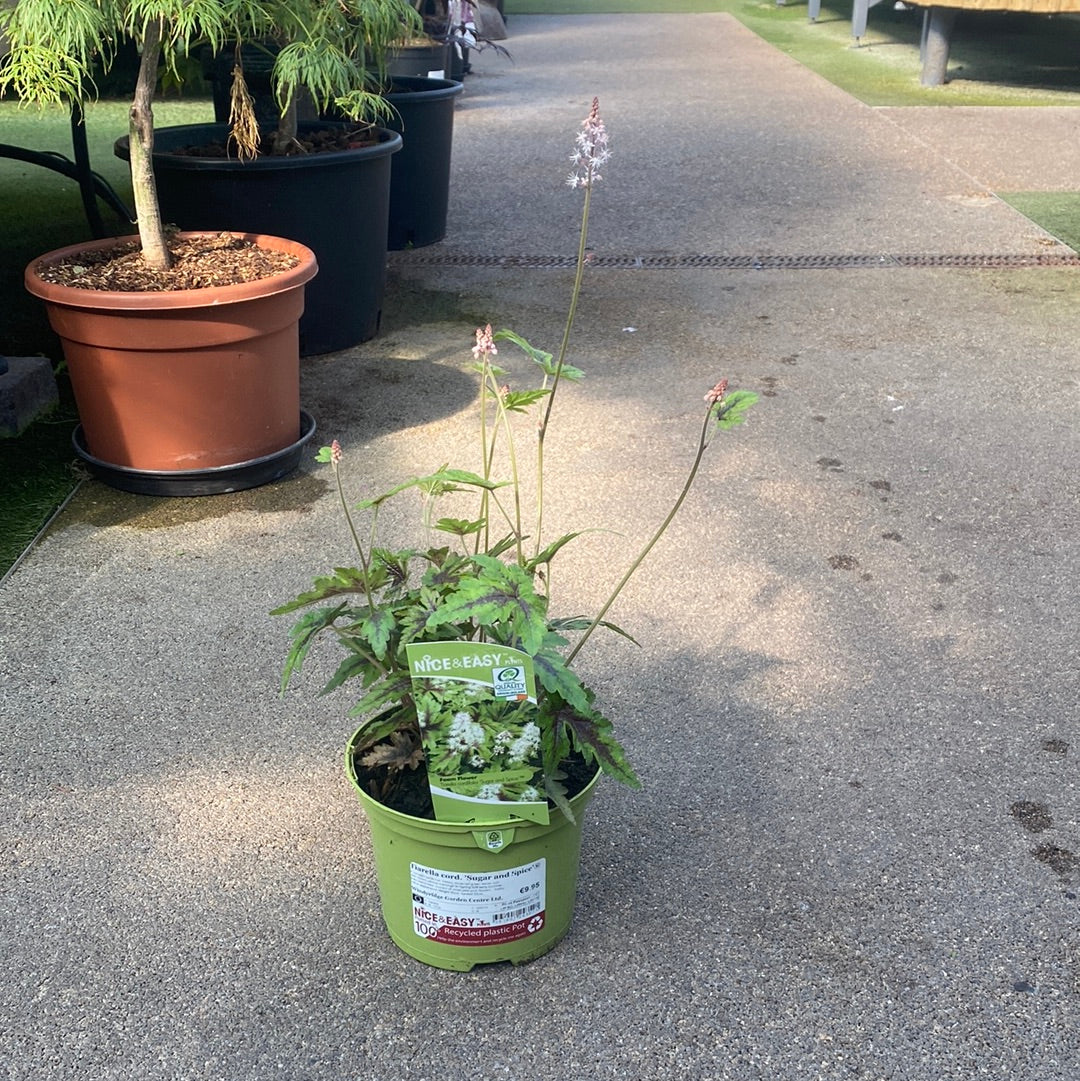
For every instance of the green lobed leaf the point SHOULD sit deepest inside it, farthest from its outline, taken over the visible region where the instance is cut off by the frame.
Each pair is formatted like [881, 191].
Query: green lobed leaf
[529, 608]
[393, 567]
[413, 621]
[387, 692]
[593, 735]
[540, 356]
[518, 401]
[475, 600]
[460, 527]
[557, 679]
[441, 579]
[554, 746]
[377, 630]
[550, 551]
[383, 725]
[344, 580]
[583, 623]
[439, 557]
[439, 483]
[555, 790]
[303, 633]
[352, 666]
[463, 476]
[498, 595]
[503, 545]
[575, 375]
[733, 409]
[417, 621]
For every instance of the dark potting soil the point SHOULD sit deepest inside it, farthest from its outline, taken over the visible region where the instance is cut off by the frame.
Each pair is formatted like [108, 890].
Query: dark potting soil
[407, 790]
[198, 263]
[320, 141]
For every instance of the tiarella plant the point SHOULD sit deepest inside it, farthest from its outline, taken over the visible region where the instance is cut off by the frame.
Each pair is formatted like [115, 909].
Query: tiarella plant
[490, 581]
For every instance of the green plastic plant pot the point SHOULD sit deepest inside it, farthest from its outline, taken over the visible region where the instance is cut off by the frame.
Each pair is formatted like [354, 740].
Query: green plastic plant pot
[458, 895]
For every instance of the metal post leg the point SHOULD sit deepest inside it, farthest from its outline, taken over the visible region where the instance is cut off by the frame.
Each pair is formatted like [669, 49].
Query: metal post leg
[84, 173]
[937, 35]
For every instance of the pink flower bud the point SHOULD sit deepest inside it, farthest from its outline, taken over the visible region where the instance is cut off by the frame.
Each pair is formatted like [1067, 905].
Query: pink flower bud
[716, 395]
[485, 343]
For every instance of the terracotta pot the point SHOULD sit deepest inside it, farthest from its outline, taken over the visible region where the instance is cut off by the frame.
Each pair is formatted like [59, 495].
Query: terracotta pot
[189, 380]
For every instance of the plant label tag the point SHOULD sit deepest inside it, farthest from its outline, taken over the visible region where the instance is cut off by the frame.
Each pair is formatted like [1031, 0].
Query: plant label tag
[476, 705]
[486, 909]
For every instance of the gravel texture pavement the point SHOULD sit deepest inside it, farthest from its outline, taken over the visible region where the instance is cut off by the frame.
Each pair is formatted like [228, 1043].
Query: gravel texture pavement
[854, 708]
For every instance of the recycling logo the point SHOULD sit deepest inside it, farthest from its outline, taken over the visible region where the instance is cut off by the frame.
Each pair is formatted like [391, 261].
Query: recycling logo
[535, 924]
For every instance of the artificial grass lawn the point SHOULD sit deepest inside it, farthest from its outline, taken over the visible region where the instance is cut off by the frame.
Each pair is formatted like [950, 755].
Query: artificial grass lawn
[1058, 212]
[37, 473]
[41, 210]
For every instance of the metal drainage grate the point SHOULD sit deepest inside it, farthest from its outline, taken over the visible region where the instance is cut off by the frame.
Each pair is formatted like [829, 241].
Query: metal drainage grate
[734, 262]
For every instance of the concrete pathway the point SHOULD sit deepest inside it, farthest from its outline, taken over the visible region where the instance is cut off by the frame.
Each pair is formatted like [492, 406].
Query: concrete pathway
[855, 706]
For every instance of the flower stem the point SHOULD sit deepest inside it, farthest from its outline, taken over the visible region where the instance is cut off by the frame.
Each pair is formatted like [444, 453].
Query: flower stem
[485, 456]
[563, 346]
[503, 418]
[364, 564]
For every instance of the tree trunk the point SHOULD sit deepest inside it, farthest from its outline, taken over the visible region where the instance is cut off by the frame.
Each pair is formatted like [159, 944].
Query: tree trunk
[141, 141]
[285, 135]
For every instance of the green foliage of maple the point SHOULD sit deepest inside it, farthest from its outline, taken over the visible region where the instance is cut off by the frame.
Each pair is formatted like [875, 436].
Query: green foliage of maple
[56, 50]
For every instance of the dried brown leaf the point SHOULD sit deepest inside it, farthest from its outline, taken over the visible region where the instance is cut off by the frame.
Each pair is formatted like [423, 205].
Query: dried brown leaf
[402, 751]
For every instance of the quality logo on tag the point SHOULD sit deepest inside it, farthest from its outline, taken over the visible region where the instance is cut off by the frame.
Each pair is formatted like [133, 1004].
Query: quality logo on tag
[509, 682]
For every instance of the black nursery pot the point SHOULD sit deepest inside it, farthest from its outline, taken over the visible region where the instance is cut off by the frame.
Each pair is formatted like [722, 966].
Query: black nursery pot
[335, 202]
[459, 62]
[420, 174]
[429, 60]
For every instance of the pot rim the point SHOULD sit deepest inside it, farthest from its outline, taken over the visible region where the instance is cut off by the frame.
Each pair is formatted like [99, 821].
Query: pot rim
[403, 88]
[212, 296]
[437, 826]
[390, 142]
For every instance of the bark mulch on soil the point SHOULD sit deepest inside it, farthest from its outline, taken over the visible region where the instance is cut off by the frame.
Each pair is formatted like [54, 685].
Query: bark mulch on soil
[198, 263]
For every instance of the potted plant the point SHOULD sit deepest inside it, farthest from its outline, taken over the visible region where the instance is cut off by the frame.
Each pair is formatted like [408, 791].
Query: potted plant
[324, 184]
[425, 50]
[450, 31]
[420, 88]
[424, 81]
[178, 390]
[481, 744]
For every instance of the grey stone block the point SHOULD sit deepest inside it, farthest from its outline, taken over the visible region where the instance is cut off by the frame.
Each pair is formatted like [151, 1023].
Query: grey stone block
[27, 389]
